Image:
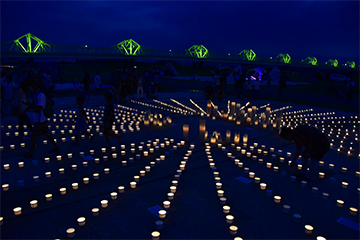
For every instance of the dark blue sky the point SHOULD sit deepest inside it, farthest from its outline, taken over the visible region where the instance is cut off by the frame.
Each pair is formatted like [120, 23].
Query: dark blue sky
[324, 29]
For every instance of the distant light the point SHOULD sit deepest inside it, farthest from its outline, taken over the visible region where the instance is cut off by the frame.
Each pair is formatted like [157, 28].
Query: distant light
[229, 54]
[345, 64]
[326, 63]
[170, 50]
[135, 66]
[270, 57]
[85, 45]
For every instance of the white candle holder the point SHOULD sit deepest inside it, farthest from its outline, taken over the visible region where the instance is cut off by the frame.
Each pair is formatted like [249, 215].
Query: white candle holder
[133, 185]
[17, 211]
[62, 191]
[229, 219]
[70, 232]
[226, 209]
[162, 214]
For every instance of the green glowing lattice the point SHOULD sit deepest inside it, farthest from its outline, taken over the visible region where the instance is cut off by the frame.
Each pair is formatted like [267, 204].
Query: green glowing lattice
[198, 51]
[334, 62]
[129, 47]
[311, 60]
[285, 58]
[39, 47]
[351, 64]
[248, 54]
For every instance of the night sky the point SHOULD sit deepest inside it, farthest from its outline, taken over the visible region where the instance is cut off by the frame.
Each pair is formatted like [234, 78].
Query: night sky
[323, 29]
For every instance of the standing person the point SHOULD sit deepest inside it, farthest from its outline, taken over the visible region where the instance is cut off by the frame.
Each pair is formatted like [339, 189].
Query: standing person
[350, 86]
[248, 89]
[20, 97]
[256, 88]
[109, 118]
[9, 95]
[139, 87]
[81, 120]
[39, 119]
[282, 83]
[120, 86]
[315, 142]
[86, 83]
[216, 82]
[152, 91]
[97, 82]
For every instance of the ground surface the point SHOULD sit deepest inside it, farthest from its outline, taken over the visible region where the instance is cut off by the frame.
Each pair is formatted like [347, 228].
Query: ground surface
[196, 211]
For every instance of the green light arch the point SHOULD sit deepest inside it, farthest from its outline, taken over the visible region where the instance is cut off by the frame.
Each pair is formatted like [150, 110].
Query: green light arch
[198, 51]
[311, 60]
[284, 57]
[129, 47]
[40, 46]
[333, 62]
[351, 64]
[248, 54]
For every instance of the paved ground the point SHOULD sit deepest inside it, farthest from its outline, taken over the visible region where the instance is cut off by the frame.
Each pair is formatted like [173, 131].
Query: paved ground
[196, 211]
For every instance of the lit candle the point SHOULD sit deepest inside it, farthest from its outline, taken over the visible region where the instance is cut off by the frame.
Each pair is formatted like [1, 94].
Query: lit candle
[166, 204]
[106, 170]
[104, 203]
[21, 164]
[277, 199]
[7, 166]
[17, 210]
[121, 189]
[226, 209]
[155, 235]
[220, 193]
[340, 203]
[344, 184]
[96, 175]
[75, 186]
[113, 195]
[95, 211]
[5, 187]
[251, 174]
[173, 189]
[229, 219]
[133, 184]
[353, 211]
[48, 197]
[70, 232]
[162, 213]
[262, 186]
[170, 196]
[48, 174]
[62, 191]
[233, 230]
[308, 229]
[81, 221]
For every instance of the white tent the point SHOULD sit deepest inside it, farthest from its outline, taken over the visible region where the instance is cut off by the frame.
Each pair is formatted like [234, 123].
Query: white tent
[275, 74]
[172, 69]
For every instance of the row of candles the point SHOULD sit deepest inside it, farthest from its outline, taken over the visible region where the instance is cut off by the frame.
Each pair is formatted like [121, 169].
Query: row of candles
[162, 108]
[143, 149]
[220, 192]
[171, 195]
[277, 199]
[269, 165]
[133, 184]
[104, 203]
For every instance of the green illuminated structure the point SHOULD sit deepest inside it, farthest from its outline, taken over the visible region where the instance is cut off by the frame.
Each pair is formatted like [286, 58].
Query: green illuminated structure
[311, 60]
[284, 57]
[198, 51]
[41, 46]
[248, 54]
[129, 47]
[351, 64]
[334, 63]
